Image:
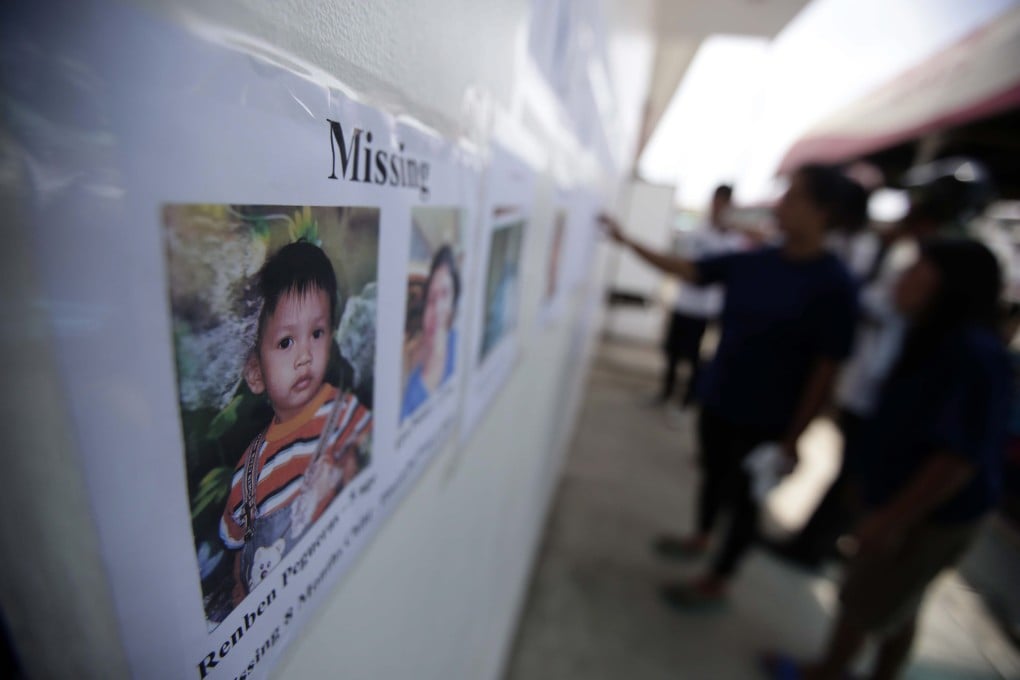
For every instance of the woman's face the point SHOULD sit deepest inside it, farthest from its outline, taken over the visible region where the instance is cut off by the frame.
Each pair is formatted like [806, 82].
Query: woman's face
[439, 305]
[916, 289]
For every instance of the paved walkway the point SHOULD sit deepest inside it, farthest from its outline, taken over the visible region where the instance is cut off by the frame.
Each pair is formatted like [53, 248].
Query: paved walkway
[593, 611]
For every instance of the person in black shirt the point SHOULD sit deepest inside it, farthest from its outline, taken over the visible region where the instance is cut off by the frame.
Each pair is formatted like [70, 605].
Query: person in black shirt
[787, 322]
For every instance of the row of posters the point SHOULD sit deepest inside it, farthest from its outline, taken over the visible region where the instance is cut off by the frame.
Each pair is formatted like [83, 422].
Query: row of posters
[290, 302]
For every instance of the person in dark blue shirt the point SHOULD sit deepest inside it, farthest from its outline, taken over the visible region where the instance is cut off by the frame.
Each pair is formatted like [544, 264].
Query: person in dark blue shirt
[787, 322]
[929, 459]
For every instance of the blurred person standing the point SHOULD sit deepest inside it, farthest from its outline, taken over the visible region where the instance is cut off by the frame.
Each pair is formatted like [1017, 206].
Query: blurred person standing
[786, 324]
[942, 201]
[695, 307]
[929, 458]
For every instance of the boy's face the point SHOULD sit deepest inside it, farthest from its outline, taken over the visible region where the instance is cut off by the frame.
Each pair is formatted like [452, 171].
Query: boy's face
[290, 361]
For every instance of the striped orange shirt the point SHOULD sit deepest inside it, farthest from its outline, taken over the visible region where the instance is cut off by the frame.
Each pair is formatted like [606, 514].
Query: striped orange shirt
[286, 453]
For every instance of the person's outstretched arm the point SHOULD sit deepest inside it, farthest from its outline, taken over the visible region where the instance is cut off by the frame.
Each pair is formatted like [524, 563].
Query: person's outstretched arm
[670, 264]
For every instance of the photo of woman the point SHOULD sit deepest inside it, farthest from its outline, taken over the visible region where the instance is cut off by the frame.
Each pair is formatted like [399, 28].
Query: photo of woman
[430, 334]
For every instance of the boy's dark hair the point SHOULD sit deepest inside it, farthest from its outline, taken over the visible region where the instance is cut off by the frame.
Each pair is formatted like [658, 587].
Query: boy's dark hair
[444, 257]
[299, 267]
[830, 190]
[724, 191]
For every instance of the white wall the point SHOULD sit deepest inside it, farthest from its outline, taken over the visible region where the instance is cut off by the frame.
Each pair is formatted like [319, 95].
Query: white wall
[647, 212]
[437, 593]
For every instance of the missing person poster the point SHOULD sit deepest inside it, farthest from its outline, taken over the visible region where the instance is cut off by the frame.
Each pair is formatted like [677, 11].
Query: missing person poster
[273, 329]
[432, 326]
[433, 350]
[501, 299]
[255, 285]
[555, 273]
[510, 187]
[435, 342]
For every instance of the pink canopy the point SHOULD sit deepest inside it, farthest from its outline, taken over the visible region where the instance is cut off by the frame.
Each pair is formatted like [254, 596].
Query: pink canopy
[975, 78]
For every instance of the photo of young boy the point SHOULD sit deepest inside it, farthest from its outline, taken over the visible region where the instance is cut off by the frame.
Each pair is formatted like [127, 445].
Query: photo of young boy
[274, 324]
[433, 301]
[296, 466]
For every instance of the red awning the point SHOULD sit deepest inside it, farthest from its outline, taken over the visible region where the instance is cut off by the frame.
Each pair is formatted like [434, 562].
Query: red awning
[975, 78]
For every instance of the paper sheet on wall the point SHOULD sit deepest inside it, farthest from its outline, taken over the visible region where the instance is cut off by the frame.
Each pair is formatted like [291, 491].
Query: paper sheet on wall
[259, 347]
[583, 233]
[556, 272]
[509, 193]
[436, 348]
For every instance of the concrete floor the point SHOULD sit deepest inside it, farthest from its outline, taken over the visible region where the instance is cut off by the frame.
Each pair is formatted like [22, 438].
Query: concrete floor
[593, 611]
